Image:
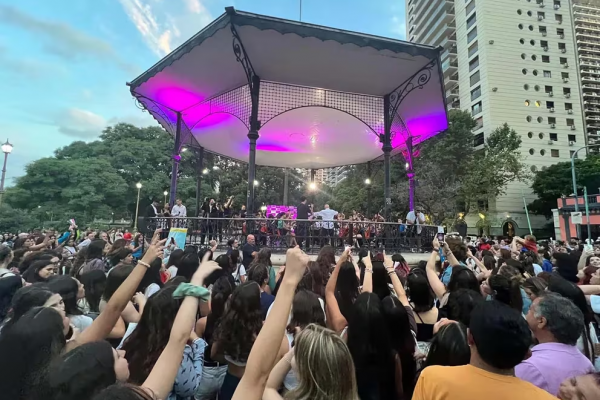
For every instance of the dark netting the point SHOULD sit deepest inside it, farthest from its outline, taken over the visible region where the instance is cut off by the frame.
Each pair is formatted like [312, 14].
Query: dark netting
[236, 102]
[277, 98]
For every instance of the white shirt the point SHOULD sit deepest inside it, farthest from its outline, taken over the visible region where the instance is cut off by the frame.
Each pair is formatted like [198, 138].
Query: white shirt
[412, 218]
[179, 211]
[327, 215]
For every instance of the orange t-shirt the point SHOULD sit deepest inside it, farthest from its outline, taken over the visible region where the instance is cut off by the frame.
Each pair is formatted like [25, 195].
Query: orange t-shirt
[471, 383]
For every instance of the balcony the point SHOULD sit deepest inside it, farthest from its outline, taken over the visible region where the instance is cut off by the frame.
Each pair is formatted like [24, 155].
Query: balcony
[588, 43]
[589, 56]
[590, 79]
[589, 64]
[451, 82]
[594, 110]
[583, 21]
[590, 71]
[590, 86]
[450, 67]
[589, 94]
[591, 103]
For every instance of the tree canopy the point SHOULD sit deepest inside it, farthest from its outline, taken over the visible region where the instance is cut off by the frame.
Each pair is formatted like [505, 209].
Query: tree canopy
[556, 181]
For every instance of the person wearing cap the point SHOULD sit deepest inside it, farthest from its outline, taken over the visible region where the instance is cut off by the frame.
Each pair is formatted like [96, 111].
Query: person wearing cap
[127, 236]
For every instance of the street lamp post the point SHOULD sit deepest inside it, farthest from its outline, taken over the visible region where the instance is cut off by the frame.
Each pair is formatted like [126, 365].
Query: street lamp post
[137, 205]
[6, 149]
[574, 177]
[165, 193]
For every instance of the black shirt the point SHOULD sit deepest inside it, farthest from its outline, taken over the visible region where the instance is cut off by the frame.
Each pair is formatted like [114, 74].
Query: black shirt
[247, 251]
[302, 211]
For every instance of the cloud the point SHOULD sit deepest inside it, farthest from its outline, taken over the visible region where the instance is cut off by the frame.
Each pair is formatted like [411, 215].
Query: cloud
[31, 68]
[399, 27]
[63, 40]
[165, 25]
[80, 124]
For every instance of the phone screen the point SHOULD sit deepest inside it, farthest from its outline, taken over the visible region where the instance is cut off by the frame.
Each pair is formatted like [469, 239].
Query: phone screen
[440, 237]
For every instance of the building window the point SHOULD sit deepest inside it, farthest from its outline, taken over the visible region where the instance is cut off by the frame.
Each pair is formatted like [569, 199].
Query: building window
[571, 154]
[568, 106]
[544, 44]
[473, 49]
[527, 103]
[478, 123]
[541, 15]
[476, 108]
[563, 60]
[567, 91]
[556, 4]
[558, 18]
[476, 93]
[543, 30]
[549, 104]
[472, 35]
[470, 7]
[547, 74]
[570, 122]
[554, 137]
[564, 75]
[482, 205]
[474, 78]
[478, 140]
[572, 138]
[551, 120]
[543, 152]
[474, 63]
[560, 32]
[546, 59]
[471, 20]
[540, 120]
[554, 153]
[548, 89]
[562, 46]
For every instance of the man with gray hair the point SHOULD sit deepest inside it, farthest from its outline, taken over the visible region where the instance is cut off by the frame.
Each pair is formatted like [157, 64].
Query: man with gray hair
[557, 324]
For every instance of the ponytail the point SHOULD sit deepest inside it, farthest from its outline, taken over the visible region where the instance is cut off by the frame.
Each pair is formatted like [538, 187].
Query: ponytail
[506, 291]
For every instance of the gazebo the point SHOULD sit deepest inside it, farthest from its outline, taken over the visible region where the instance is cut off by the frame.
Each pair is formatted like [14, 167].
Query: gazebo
[282, 93]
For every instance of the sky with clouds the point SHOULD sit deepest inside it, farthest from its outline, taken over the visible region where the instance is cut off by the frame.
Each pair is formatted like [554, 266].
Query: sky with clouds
[64, 63]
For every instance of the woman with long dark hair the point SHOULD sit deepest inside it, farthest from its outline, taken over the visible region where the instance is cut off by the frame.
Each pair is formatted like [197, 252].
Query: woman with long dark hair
[342, 285]
[235, 335]
[402, 340]
[263, 257]
[422, 301]
[371, 347]
[71, 291]
[213, 373]
[150, 337]
[152, 283]
[504, 290]
[173, 262]
[94, 283]
[8, 287]
[326, 261]
[449, 346]
[40, 271]
[94, 258]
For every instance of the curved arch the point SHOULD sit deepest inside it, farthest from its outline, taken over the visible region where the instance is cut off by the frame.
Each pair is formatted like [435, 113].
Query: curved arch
[214, 113]
[509, 225]
[320, 106]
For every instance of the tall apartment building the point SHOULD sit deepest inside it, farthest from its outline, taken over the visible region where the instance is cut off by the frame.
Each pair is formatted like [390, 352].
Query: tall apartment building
[586, 18]
[517, 63]
[432, 22]
[331, 176]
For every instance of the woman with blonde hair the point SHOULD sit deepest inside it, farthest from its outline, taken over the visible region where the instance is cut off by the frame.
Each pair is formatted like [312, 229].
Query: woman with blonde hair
[323, 366]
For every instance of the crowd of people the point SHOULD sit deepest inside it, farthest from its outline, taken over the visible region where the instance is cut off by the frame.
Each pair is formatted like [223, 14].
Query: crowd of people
[105, 315]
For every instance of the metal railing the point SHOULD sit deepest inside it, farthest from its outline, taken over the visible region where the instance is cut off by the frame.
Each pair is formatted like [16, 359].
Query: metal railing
[310, 235]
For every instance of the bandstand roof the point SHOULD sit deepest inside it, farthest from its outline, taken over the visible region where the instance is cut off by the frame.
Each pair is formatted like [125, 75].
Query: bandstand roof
[321, 101]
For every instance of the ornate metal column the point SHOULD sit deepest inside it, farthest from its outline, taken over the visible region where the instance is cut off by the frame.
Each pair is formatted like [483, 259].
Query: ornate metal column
[254, 84]
[394, 125]
[199, 164]
[410, 173]
[176, 158]
[386, 139]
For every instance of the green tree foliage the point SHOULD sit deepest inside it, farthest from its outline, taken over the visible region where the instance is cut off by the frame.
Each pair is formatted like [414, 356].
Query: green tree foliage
[555, 181]
[97, 180]
[13, 220]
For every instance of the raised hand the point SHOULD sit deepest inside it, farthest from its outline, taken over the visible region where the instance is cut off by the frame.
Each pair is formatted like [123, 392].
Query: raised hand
[295, 264]
[205, 268]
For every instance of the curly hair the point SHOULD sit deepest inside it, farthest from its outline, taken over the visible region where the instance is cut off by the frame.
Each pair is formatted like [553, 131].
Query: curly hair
[148, 340]
[241, 323]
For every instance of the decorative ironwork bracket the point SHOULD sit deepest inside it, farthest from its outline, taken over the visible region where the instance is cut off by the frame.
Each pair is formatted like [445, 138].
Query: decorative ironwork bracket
[242, 57]
[417, 81]
[253, 80]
